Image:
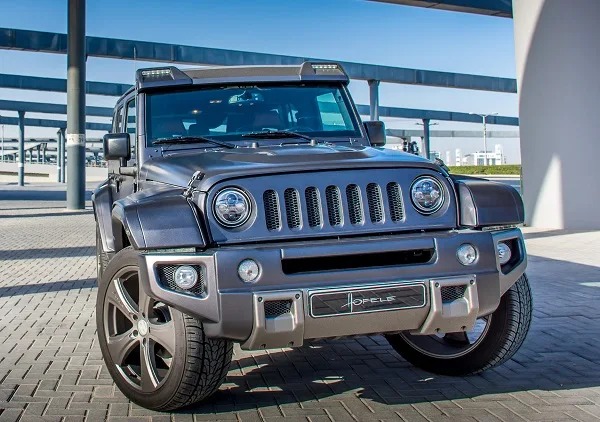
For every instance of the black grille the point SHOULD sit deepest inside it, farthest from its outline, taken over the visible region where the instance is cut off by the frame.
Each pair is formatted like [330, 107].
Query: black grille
[452, 293]
[275, 308]
[334, 205]
[355, 208]
[272, 216]
[292, 208]
[313, 206]
[375, 202]
[166, 277]
[395, 202]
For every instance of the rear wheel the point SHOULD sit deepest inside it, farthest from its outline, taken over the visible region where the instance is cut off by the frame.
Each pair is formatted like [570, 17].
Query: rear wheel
[494, 340]
[158, 357]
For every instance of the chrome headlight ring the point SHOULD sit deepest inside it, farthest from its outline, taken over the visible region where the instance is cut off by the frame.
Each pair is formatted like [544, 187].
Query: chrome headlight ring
[232, 207]
[427, 194]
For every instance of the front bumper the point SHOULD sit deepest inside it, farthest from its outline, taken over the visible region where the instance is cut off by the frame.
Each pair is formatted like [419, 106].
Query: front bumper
[235, 310]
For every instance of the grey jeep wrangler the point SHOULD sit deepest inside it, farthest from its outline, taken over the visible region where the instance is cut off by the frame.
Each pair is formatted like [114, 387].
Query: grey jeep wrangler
[252, 205]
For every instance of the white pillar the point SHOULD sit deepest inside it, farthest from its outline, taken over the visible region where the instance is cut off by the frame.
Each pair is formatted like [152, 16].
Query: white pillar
[558, 68]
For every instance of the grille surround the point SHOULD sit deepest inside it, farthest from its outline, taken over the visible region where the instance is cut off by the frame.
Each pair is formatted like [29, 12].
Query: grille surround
[276, 308]
[166, 278]
[452, 293]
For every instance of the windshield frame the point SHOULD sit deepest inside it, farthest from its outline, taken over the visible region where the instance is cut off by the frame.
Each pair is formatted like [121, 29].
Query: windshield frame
[358, 133]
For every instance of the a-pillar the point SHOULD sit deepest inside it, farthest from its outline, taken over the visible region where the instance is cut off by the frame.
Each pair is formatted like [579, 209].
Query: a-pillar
[374, 99]
[21, 169]
[556, 46]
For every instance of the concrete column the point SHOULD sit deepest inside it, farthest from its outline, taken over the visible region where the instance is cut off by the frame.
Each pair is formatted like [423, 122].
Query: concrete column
[63, 156]
[374, 99]
[426, 138]
[76, 104]
[58, 156]
[21, 170]
[39, 153]
[44, 149]
[556, 46]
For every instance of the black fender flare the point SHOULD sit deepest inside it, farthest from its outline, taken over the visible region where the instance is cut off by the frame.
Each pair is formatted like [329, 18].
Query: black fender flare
[102, 205]
[162, 219]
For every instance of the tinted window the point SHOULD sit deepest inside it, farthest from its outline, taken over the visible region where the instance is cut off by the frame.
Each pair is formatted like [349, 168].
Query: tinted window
[321, 110]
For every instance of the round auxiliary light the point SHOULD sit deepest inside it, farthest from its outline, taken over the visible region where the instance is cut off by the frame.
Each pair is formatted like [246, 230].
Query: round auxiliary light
[427, 195]
[466, 254]
[185, 277]
[504, 253]
[248, 270]
[232, 207]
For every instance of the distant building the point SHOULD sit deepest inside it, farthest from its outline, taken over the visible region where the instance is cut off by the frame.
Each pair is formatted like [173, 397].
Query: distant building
[448, 163]
[434, 154]
[480, 158]
[458, 157]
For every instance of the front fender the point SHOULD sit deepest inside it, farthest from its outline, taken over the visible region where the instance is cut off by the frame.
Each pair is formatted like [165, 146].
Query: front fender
[102, 204]
[158, 219]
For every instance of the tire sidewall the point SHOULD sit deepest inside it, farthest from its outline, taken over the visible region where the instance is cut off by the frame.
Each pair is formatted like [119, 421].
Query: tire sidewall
[164, 394]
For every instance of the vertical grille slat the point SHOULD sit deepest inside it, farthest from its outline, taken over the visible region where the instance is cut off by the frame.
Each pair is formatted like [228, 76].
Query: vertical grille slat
[313, 207]
[334, 205]
[355, 208]
[272, 216]
[292, 208]
[395, 201]
[375, 201]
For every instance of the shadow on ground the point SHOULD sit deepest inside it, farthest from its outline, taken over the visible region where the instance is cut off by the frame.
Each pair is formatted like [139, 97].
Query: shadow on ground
[53, 286]
[17, 254]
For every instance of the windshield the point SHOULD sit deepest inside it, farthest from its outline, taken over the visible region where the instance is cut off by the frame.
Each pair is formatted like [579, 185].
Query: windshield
[226, 113]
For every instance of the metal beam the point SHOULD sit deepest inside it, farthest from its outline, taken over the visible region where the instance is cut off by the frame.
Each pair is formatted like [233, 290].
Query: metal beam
[31, 107]
[37, 83]
[500, 8]
[13, 121]
[403, 133]
[50, 42]
[411, 113]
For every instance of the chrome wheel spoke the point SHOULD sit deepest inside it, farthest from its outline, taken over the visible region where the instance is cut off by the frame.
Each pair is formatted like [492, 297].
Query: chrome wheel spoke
[121, 345]
[149, 380]
[164, 335]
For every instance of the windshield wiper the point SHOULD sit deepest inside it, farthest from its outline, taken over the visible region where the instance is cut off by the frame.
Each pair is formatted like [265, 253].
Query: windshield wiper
[191, 140]
[278, 134]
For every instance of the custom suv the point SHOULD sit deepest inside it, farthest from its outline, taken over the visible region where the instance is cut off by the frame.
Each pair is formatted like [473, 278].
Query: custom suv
[252, 205]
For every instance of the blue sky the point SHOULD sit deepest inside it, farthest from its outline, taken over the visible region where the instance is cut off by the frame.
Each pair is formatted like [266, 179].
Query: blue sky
[349, 30]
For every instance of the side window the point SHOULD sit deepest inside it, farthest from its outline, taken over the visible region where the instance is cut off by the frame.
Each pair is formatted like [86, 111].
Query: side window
[130, 125]
[117, 120]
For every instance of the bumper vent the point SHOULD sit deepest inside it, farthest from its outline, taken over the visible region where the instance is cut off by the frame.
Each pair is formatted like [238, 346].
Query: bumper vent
[276, 308]
[452, 293]
[272, 210]
[166, 277]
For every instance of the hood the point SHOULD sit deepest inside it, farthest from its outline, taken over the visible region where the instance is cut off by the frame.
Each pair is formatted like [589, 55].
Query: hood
[177, 167]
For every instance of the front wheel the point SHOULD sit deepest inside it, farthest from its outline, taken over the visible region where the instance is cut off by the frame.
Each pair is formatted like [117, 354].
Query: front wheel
[158, 357]
[494, 340]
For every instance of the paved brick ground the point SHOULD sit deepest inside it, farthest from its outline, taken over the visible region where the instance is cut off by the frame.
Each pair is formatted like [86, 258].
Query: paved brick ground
[51, 368]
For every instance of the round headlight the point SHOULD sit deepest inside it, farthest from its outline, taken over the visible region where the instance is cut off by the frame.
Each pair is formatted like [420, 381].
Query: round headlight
[427, 195]
[466, 254]
[504, 253]
[185, 277]
[232, 207]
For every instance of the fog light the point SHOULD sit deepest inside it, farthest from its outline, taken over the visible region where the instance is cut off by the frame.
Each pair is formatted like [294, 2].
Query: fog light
[504, 253]
[466, 254]
[186, 277]
[248, 270]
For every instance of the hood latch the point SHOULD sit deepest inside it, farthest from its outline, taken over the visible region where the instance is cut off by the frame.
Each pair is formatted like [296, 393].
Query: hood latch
[193, 184]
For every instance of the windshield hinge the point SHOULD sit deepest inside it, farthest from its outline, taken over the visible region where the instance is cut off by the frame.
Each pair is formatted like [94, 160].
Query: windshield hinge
[193, 184]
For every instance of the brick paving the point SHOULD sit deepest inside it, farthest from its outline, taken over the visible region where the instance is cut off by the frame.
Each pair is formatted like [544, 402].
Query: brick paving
[51, 367]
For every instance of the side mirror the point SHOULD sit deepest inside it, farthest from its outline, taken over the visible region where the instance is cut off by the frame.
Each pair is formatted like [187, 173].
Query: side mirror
[376, 132]
[116, 146]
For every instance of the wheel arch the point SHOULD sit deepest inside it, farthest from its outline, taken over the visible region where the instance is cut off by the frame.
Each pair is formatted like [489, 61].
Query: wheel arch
[102, 204]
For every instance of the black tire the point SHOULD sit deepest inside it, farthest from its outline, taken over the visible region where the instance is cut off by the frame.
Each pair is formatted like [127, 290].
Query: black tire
[102, 257]
[507, 330]
[198, 365]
